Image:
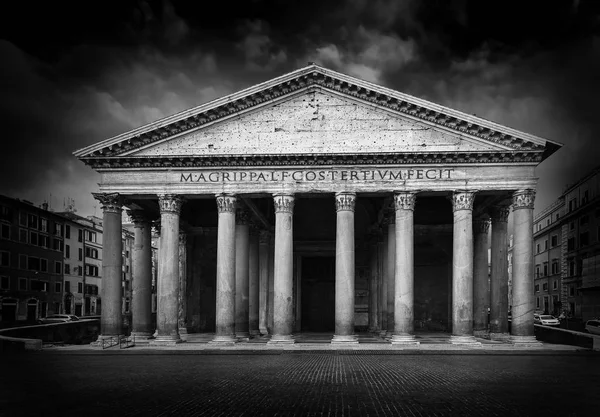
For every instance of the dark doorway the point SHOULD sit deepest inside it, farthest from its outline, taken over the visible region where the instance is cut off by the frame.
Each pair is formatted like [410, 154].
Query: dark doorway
[78, 309]
[88, 304]
[318, 294]
[32, 310]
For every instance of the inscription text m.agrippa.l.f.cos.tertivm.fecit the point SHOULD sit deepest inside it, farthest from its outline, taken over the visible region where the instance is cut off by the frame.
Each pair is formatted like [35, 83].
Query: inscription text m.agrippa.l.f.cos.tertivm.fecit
[318, 175]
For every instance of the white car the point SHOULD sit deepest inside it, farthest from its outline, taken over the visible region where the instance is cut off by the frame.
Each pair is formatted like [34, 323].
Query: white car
[58, 318]
[546, 320]
[593, 326]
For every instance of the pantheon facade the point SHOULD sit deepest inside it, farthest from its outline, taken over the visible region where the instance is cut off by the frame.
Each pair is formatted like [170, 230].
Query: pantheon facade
[318, 202]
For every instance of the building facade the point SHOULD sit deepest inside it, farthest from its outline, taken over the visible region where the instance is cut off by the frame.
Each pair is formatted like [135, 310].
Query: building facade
[319, 202]
[31, 261]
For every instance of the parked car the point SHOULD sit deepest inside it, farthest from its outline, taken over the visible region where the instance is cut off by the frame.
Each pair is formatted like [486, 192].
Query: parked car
[58, 318]
[593, 326]
[546, 320]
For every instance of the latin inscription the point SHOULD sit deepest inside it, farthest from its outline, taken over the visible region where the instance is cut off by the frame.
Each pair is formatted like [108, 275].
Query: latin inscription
[319, 175]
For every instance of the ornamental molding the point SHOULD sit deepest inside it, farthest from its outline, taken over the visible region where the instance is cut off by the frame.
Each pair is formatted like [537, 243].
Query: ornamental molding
[462, 200]
[499, 214]
[405, 201]
[242, 217]
[284, 203]
[523, 199]
[481, 225]
[410, 158]
[345, 201]
[307, 79]
[226, 203]
[170, 203]
[110, 202]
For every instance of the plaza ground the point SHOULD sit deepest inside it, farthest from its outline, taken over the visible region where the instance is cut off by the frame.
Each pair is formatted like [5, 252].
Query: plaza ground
[319, 383]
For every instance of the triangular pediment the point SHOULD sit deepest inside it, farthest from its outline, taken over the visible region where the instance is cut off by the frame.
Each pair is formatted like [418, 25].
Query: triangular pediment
[317, 122]
[317, 111]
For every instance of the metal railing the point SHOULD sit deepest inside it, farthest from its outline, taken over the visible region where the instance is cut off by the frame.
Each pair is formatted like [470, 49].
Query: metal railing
[124, 342]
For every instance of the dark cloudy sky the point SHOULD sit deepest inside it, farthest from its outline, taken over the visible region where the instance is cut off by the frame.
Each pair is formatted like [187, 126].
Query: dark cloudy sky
[75, 73]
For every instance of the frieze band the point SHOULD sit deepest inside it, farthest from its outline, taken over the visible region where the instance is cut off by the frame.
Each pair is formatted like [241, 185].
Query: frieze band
[345, 201]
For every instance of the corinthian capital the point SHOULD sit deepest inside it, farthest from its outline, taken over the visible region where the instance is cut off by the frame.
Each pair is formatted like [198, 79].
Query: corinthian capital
[264, 237]
[462, 200]
[242, 217]
[170, 203]
[499, 214]
[284, 203]
[345, 201]
[110, 202]
[523, 199]
[139, 218]
[405, 201]
[481, 225]
[226, 203]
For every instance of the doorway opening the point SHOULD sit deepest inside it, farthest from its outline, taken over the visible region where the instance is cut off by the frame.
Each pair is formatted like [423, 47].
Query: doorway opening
[318, 294]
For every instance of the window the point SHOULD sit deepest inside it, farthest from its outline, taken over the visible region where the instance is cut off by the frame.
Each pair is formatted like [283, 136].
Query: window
[545, 286]
[584, 239]
[572, 290]
[22, 261]
[57, 267]
[79, 270]
[557, 216]
[67, 269]
[4, 283]
[546, 244]
[57, 287]
[91, 270]
[584, 199]
[58, 245]
[4, 258]
[571, 243]
[39, 285]
[23, 236]
[537, 271]
[572, 226]
[44, 265]
[571, 268]
[43, 241]
[554, 241]
[537, 302]
[554, 267]
[584, 220]
[44, 225]
[554, 284]
[80, 254]
[80, 236]
[32, 221]
[67, 251]
[127, 254]
[126, 305]
[67, 231]
[58, 229]
[22, 218]
[537, 248]
[33, 264]
[5, 213]
[572, 204]
[79, 287]
[22, 284]
[547, 222]
[537, 287]
[91, 236]
[67, 286]
[545, 268]
[5, 231]
[33, 238]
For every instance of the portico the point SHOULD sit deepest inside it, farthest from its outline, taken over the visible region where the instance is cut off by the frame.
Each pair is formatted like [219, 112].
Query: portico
[319, 200]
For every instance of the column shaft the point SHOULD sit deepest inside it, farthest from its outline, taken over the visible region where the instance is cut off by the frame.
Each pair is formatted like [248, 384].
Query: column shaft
[373, 285]
[242, 230]
[225, 303]
[253, 287]
[182, 315]
[481, 293]
[141, 304]
[271, 289]
[391, 280]
[522, 329]
[111, 319]
[283, 317]
[384, 281]
[499, 274]
[263, 295]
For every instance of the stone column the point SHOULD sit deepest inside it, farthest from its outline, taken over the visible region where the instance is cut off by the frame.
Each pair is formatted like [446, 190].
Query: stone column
[523, 305]
[390, 278]
[499, 274]
[404, 270]
[167, 323]
[373, 283]
[111, 318]
[182, 315]
[263, 278]
[253, 286]
[462, 269]
[225, 315]
[380, 256]
[481, 293]
[344, 269]
[156, 228]
[384, 279]
[283, 306]
[242, 229]
[142, 327]
[271, 289]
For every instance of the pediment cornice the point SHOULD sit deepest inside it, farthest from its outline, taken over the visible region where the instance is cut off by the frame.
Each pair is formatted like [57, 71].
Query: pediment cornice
[306, 78]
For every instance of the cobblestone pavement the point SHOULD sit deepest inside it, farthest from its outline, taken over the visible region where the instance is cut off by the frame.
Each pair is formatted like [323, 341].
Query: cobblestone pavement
[338, 383]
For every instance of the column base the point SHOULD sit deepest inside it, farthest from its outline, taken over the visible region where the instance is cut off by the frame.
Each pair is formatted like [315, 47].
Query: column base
[382, 333]
[242, 337]
[484, 334]
[224, 340]
[167, 340]
[467, 340]
[254, 333]
[280, 339]
[525, 341]
[351, 339]
[142, 337]
[263, 331]
[404, 339]
[502, 337]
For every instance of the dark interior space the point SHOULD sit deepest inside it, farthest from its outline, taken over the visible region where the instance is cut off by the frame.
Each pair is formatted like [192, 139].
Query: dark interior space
[318, 294]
